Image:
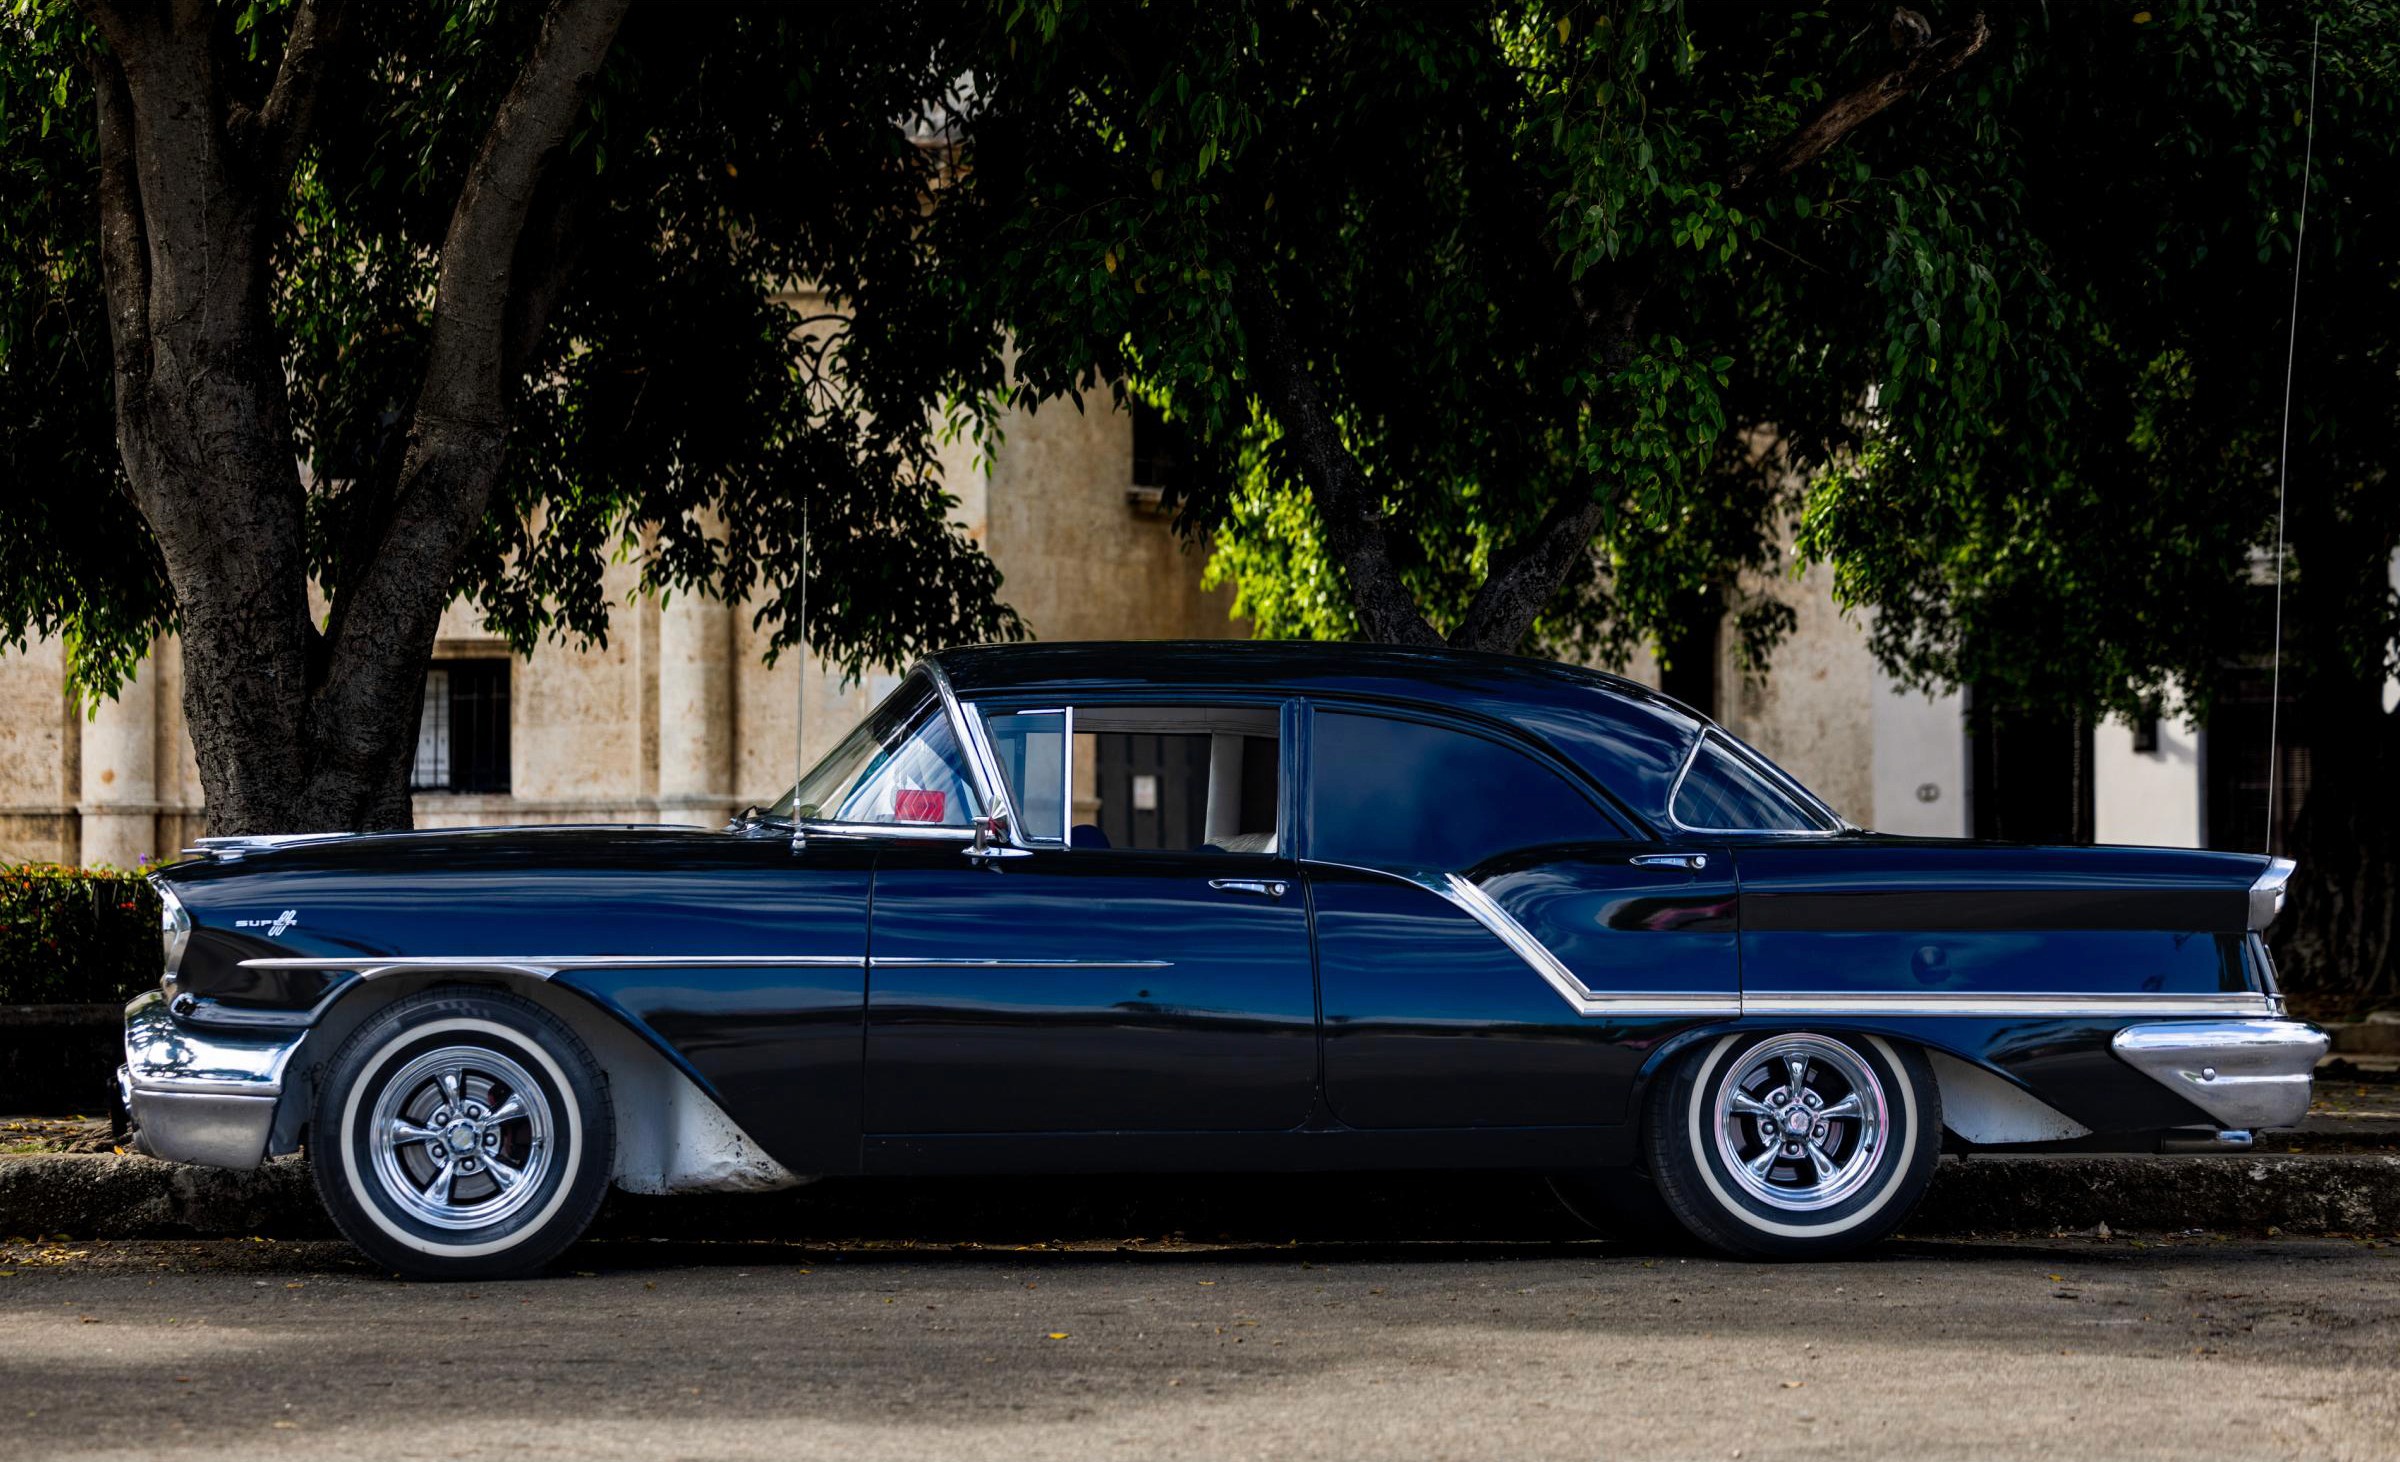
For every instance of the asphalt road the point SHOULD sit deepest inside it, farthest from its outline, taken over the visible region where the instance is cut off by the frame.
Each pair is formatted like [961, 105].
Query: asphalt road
[2194, 1347]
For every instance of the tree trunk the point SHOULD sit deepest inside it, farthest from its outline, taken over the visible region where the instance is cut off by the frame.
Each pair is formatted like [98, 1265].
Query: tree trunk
[297, 730]
[202, 419]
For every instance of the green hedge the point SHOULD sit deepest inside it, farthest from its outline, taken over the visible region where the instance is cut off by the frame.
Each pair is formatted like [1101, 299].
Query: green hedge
[75, 935]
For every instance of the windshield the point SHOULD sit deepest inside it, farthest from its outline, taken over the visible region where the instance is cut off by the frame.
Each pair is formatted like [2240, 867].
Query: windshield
[901, 766]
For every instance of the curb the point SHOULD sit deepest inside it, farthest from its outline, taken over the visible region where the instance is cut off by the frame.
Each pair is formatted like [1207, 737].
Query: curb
[2298, 1194]
[102, 1195]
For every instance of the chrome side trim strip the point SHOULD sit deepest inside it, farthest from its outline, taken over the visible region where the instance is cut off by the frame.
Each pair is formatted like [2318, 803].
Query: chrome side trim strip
[922, 832]
[1485, 911]
[2063, 1004]
[882, 963]
[543, 966]
[1702, 1006]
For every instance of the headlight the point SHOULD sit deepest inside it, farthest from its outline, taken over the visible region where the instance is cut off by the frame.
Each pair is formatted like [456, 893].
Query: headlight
[174, 926]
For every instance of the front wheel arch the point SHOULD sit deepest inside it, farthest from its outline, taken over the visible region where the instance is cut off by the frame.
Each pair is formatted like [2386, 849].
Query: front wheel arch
[672, 1134]
[463, 1133]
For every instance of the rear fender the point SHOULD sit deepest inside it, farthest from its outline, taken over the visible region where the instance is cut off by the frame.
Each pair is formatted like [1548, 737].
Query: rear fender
[2001, 1082]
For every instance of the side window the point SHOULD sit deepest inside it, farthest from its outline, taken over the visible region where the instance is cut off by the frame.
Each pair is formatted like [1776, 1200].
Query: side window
[1722, 792]
[1201, 779]
[1032, 750]
[1402, 794]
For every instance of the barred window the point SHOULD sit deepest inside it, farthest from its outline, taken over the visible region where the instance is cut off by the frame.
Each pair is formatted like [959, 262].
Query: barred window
[462, 731]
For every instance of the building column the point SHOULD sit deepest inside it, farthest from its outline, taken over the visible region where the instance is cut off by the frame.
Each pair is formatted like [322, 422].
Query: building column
[695, 710]
[120, 774]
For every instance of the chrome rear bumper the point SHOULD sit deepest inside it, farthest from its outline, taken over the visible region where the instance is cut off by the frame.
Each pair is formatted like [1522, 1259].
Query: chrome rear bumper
[2246, 1074]
[199, 1097]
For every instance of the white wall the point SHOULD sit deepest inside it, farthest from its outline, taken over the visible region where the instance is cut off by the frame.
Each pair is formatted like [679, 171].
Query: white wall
[2147, 797]
[1920, 757]
[2391, 683]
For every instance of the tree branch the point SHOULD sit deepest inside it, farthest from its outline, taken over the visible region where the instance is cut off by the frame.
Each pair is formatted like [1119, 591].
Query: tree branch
[1919, 67]
[547, 253]
[465, 368]
[124, 244]
[319, 30]
[1355, 526]
[1524, 576]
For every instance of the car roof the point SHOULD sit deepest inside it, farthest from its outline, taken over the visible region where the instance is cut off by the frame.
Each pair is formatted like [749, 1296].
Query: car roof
[1631, 739]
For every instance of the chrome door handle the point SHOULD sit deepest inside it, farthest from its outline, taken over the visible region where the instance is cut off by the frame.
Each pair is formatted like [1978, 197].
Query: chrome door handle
[1688, 862]
[1265, 887]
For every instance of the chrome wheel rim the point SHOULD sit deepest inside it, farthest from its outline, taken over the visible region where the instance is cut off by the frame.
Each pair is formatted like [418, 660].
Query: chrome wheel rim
[461, 1137]
[1801, 1122]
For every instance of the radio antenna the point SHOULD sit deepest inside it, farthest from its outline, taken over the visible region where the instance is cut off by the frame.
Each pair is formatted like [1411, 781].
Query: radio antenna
[2283, 471]
[800, 694]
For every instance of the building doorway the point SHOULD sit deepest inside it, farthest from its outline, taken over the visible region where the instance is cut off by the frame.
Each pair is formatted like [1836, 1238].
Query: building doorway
[2029, 774]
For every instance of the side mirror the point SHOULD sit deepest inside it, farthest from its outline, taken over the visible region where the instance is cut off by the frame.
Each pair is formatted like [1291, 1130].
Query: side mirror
[991, 839]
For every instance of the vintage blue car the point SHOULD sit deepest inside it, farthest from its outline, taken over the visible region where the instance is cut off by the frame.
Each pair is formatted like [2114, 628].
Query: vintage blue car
[1208, 907]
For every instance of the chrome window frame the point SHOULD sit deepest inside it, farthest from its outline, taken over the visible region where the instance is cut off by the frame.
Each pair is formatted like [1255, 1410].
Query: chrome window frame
[982, 767]
[1066, 814]
[1772, 774]
[924, 832]
[987, 764]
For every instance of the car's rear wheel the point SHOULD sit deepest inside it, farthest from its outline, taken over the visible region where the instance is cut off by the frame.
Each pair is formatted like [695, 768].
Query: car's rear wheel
[463, 1134]
[1793, 1145]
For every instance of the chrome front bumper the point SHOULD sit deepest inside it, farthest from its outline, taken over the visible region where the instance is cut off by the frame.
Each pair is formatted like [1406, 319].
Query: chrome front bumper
[2246, 1074]
[199, 1097]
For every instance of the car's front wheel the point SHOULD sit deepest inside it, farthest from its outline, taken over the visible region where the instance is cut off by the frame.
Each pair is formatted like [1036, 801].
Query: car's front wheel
[1792, 1145]
[463, 1134]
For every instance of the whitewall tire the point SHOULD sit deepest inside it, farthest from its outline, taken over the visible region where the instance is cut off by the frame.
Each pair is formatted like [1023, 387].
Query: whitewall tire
[463, 1134]
[1793, 1144]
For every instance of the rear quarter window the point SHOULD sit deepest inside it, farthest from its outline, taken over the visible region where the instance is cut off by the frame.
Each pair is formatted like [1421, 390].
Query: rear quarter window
[1724, 791]
[1390, 793]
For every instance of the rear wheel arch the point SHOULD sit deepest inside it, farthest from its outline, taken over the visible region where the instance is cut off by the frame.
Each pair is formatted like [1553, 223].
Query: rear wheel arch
[1870, 1171]
[1969, 1085]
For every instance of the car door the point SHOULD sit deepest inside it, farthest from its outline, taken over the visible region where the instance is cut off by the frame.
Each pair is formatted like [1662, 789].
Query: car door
[1136, 958]
[1496, 947]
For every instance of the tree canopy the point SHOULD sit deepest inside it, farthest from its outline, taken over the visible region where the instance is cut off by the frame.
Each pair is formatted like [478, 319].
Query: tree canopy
[1454, 292]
